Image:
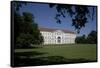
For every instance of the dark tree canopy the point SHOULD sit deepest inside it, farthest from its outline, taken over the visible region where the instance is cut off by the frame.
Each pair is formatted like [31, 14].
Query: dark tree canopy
[81, 39]
[90, 39]
[17, 5]
[26, 30]
[78, 13]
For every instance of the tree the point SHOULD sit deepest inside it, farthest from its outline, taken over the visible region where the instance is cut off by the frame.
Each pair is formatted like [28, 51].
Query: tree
[81, 39]
[78, 13]
[26, 30]
[92, 37]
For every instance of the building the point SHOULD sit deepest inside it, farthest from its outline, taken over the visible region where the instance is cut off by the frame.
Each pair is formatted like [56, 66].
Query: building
[57, 36]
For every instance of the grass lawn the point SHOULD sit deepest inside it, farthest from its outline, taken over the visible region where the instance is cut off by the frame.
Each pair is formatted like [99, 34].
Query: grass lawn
[67, 51]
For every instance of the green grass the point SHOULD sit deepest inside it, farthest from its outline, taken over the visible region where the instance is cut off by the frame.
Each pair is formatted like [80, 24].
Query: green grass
[68, 51]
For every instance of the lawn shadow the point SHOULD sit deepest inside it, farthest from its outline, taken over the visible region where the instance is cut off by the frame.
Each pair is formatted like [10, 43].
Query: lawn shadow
[31, 59]
[21, 58]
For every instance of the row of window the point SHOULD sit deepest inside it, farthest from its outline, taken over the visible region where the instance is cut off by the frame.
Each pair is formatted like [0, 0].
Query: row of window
[56, 33]
[48, 37]
[50, 34]
[47, 33]
[57, 41]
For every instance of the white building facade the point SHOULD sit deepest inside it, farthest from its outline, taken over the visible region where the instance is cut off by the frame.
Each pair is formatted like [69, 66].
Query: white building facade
[57, 36]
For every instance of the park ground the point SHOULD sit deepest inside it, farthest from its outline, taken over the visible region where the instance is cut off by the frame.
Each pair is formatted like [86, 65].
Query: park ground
[56, 54]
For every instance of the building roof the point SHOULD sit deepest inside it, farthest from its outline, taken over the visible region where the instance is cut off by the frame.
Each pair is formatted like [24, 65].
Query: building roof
[52, 30]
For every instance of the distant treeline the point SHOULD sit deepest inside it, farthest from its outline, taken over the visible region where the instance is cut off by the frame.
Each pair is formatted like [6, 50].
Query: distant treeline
[91, 38]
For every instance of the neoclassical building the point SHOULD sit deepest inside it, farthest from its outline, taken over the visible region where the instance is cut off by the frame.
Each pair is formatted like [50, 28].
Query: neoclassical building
[57, 36]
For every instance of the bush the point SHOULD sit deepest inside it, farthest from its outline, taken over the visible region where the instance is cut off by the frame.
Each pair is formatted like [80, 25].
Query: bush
[24, 40]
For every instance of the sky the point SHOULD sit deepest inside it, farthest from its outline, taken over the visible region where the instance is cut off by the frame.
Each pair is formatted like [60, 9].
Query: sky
[44, 17]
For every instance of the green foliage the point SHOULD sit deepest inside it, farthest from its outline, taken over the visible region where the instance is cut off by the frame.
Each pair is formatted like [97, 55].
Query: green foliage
[90, 39]
[17, 5]
[26, 31]
[28, 17]
[81, 39]
[78, 13]
[24, 40]
[18, 23]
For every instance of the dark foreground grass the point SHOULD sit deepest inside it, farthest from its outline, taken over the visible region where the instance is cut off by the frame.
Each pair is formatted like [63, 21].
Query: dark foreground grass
[56, 54]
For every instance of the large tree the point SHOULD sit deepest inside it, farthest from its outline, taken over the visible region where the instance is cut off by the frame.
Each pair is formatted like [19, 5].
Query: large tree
[79, 14]
[26, 30]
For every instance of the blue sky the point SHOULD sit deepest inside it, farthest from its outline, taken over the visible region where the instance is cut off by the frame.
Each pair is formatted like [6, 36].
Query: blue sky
[44, 17]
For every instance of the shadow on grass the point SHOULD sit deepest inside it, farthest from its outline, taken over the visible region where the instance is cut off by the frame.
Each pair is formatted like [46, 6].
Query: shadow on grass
[30, 47]
[24, 59]
[28, 54]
